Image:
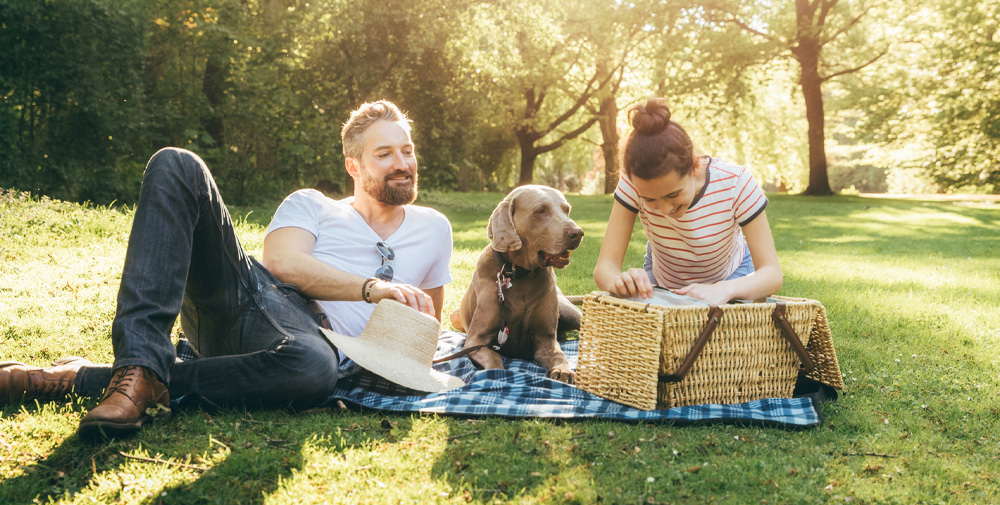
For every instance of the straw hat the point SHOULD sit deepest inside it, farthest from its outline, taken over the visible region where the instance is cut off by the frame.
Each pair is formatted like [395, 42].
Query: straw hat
[398, 344]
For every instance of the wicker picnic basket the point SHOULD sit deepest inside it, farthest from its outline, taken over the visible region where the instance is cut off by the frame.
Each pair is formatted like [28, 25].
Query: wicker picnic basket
[656, 357]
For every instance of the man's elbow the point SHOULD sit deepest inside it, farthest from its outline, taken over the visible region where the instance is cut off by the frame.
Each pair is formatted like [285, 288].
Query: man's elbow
[280, 266]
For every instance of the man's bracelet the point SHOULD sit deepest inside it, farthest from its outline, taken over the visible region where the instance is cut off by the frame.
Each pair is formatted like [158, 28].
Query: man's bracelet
[366, 289]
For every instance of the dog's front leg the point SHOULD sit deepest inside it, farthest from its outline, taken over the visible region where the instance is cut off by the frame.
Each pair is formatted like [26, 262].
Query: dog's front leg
[483, 329]
[549, 355]
[485, 357]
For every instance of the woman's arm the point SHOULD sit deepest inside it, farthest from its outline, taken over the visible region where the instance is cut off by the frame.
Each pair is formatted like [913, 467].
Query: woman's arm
[764, 281]
[288, 255]
[608, 273]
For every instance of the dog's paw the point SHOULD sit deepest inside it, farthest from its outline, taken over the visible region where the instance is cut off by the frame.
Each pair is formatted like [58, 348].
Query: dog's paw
[486, 359]
[562, 374]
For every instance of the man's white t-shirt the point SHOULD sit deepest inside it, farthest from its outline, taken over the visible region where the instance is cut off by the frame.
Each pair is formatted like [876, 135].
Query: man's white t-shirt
[422, 245]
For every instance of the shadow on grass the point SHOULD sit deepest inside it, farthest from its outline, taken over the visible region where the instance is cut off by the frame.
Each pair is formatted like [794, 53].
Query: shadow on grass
[227, 457]
[512, 459]
[923, 395]
[903, 347]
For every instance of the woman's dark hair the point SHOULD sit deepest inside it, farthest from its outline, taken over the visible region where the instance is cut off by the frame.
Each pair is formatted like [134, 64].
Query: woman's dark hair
[657, 145]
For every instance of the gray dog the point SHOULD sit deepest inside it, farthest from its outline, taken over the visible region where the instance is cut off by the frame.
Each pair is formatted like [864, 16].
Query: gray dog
[512, 305]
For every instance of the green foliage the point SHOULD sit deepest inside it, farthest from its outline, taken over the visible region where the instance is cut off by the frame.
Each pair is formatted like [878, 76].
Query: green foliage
[966, 107]
[927, 112]
[260, 88]
[72, 109]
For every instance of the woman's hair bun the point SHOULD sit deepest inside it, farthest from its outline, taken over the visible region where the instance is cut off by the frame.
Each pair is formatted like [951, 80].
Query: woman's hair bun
[651, 118]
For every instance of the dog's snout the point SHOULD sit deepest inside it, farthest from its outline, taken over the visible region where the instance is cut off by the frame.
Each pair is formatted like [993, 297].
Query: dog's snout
[574, 235]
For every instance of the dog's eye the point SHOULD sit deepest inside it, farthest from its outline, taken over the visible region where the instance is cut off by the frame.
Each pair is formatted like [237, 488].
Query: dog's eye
[541, 210]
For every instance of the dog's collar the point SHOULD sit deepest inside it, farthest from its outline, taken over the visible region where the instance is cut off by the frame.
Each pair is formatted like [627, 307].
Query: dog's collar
[507, 273]
[509, 270]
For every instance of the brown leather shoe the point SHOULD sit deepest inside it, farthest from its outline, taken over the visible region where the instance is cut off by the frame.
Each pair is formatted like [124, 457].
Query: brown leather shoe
[134, 397]
[20, 382]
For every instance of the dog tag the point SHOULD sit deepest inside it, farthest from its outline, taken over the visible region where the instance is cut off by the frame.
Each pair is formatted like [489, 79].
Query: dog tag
[502, 335]
[501, 280]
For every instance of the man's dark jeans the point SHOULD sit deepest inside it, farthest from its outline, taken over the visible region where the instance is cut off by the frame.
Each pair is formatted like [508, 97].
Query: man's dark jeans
[258, 341]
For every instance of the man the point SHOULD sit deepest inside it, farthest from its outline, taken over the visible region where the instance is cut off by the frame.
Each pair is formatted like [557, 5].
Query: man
[252, 324]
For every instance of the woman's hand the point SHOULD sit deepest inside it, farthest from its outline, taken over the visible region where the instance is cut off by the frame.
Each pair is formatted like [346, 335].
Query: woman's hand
[633, 283]
[713, 294]
[405, 294]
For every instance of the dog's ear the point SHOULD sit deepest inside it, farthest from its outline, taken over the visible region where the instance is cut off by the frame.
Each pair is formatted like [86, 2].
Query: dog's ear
[503, 237]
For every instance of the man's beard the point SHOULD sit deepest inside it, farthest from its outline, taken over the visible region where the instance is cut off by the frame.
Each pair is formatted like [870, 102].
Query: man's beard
[383, 192]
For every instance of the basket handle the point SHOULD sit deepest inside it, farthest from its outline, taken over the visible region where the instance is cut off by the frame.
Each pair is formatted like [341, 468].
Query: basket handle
[789, 333]
[714, 314]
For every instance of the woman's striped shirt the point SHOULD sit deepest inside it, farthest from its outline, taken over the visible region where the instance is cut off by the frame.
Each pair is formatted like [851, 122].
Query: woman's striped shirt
[706, 244]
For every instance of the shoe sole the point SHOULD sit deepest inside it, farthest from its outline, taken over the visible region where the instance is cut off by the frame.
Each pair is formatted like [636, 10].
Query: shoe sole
[105, 430]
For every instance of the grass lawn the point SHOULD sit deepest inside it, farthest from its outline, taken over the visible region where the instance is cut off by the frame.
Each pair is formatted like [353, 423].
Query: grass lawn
[912, 290]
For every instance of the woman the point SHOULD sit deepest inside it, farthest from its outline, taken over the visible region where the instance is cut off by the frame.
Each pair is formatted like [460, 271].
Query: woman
[704, 219]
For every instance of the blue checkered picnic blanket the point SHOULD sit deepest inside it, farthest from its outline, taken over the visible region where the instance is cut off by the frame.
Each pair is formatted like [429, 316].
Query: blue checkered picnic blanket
[521, 390]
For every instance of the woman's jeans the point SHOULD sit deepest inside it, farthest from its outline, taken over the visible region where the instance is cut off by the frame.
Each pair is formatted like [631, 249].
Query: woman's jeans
[258, 342]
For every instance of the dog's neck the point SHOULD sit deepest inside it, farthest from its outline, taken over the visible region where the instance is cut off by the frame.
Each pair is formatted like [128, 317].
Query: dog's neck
[510, 270]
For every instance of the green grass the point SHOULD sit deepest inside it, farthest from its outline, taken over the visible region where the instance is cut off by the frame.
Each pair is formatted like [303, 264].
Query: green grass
[912, 290]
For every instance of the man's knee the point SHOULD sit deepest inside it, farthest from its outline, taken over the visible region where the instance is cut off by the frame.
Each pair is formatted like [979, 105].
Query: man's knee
[175, 162]
[312, 372]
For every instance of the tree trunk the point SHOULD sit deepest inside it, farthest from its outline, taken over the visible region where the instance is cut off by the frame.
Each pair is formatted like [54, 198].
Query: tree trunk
[807, 52]
[812, 92]
[529, 154]
[213, 85]
[608, 121]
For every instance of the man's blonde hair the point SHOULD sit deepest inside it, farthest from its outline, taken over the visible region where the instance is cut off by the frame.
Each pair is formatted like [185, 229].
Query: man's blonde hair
[352, 134]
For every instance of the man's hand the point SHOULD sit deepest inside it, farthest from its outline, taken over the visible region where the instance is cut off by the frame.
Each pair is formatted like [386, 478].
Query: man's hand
[713, 294]
[404, 293]
[633, 282]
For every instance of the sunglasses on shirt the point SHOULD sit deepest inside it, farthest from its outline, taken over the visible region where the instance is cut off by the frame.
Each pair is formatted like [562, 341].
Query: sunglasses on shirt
[384, 272]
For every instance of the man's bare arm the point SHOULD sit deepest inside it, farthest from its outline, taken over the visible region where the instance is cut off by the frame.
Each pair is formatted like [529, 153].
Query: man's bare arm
[288, 255]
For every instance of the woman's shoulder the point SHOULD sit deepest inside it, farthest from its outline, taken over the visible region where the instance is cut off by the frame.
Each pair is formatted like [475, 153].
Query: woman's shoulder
[725, 167]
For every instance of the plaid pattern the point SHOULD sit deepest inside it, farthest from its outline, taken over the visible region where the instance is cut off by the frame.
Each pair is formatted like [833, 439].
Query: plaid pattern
[521, 390]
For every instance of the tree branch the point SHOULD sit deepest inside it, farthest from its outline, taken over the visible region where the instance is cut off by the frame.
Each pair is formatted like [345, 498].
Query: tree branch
[853, 69]
[618, 82]
[584, 96]
[825, 7]
[805, 9]
[734, 19]
[566, 137]
[843, 29]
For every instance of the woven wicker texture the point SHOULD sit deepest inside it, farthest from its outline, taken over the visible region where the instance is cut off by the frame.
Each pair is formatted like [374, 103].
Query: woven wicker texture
[821, 350]
[625, 345]
[622, 361]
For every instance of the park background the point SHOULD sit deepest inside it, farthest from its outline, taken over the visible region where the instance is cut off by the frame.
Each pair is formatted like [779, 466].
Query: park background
[811, 95]
[909, 93]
